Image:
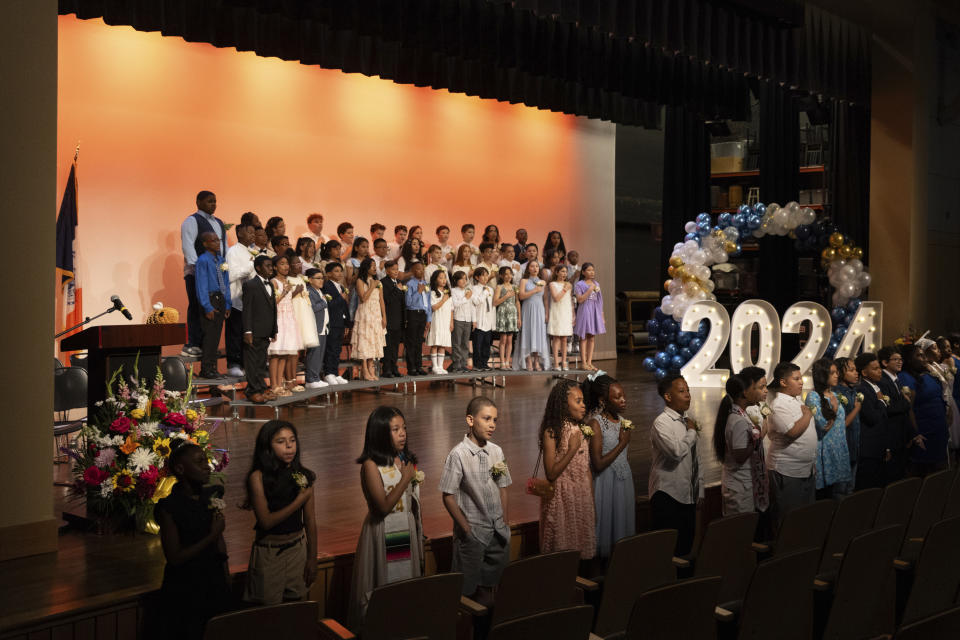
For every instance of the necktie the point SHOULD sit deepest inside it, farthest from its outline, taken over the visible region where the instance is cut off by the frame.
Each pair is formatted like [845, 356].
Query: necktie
[695, 463]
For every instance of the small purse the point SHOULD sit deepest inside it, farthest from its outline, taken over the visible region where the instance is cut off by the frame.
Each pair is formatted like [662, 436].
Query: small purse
[540, 487]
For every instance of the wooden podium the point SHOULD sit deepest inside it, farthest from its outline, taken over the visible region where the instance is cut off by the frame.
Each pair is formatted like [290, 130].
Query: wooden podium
[111, 346]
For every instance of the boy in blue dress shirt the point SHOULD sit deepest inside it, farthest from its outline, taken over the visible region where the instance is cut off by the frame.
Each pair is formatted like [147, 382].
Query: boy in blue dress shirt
[418, 316]
[213, 294]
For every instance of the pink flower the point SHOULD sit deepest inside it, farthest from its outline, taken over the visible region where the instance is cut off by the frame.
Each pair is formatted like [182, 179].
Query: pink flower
[94, 476]
[224, 461]
[121, 425]
[150, 476]
[105, 458]
[158, 405]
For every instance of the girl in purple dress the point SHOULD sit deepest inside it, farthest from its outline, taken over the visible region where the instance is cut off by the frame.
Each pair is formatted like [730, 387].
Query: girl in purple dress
[590, 321]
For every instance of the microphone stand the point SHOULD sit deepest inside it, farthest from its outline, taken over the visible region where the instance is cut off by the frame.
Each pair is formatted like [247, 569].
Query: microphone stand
[85, 321]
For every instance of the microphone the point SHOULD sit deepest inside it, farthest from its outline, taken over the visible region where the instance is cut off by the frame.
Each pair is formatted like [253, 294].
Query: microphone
[118, 305]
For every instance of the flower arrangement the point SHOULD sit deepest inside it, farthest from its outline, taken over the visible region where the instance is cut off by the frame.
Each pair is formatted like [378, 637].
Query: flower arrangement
[585, 430]
[119, 458]
[498, 470]
[626, 425]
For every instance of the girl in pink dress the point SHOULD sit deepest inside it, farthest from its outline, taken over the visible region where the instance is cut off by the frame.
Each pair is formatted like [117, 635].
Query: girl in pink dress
[288, 341]
[567, 518]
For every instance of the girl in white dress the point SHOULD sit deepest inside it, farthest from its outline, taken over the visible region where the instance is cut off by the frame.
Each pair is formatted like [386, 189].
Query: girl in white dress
[560, 316]
[441, 327]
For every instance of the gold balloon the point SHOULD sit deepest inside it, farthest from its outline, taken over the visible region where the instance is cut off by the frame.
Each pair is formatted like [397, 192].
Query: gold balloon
[729, 247]
[680, 271]
[672, 271]
[858, 253]
[676, 261]
[829, 253]
[717, 233]
[846, 252]
[667, 283]
[836, 239]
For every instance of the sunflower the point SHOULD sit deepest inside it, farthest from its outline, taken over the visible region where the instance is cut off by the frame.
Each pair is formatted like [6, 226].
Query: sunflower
[124, 481]
[161, 446]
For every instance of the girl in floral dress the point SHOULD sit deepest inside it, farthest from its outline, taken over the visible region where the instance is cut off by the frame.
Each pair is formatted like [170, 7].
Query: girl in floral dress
[508, 314]
[567, 518]
[368, 337]
[833, 459]
[288, 341]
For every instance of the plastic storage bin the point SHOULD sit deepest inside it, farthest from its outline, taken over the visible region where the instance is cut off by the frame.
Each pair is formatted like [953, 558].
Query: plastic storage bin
[727, 157]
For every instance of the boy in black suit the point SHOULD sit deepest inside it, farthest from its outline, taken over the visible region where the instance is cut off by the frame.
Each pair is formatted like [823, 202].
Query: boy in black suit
[875, 454]
[259, 328]
[901, 429]
[393, 296]
[338, 310]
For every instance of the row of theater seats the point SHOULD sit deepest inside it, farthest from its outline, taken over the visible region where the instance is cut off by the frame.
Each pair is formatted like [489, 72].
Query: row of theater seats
[879, 563]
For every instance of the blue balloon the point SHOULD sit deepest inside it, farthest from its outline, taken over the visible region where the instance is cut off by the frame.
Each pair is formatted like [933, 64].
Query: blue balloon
[660, 374]
[653, 338]
[686, 353]
[695, 344]
[853, 305]
[684, 337]
[672, 349]
[739, 249]
[839, 332]
[662, 360]
[676, 362]
[703, 218]
[738, 220]
[802, 232]
[703, 228]
[653, 326]
[723, 220]
[669, 324]
[704, 329]
[834, 345]
[759, 208]
[753, 222]
[744, 210]
[649, 364]
[690, 236]
[659, 314]
[839, 314]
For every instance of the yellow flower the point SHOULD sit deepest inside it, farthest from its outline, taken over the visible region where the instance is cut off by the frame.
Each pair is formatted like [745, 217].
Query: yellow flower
[124, 481]
[626, 425]
[201, 435]
[161, 446]
[191, 415]
[138, 414]
[586, 430]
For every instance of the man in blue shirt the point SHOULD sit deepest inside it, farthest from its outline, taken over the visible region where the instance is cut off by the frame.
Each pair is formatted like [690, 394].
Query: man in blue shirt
[195, 224]
[213, 296]
[418, 315]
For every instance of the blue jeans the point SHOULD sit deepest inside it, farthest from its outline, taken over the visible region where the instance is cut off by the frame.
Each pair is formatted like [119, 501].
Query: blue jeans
[194, 330]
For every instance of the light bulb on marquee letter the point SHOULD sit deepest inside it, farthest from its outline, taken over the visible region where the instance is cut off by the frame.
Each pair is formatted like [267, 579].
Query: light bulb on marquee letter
[820, 330]
[762, 314]
[865, 332]
[699, 371]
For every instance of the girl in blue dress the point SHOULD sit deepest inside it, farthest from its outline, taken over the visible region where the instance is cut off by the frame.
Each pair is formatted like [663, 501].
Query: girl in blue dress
[532, 351]
[833, 459]
[847, 395]
[929, 453]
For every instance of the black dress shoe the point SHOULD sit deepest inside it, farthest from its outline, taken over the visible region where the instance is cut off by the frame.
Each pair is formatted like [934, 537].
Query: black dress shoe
[421, 372]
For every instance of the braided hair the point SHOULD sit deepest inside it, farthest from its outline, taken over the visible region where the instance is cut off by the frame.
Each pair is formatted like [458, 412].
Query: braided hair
[557, 409]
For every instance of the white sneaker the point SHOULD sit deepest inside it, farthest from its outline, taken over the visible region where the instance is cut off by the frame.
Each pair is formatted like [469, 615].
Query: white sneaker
[236, 372]
[339, 380]
[443, 372]
[319, 384]
[330, 379]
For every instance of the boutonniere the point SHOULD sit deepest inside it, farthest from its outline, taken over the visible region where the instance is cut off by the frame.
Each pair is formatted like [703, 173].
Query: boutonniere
[499, 469]
[217, 505]
[765, 410]
[300, 479]
[859, 397]
[755, 418]
[842, 398]
[696, 425]
[906, 391]
[886, 398]
[402, 287]
[586, 430]
[814, 410]
[540, 283]
[440, 267]
[418, 477]
[626, 425]
[254, 252]
[305, 279]
[379, 285]
[224, 266]
[328, 297]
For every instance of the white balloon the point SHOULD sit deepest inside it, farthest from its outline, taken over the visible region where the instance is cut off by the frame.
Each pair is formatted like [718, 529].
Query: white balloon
[856, 264]
[808, 216]
[666, 305]
[849, 290]
[731, 234]
[864, 279]
[848, 273]
[690, 227]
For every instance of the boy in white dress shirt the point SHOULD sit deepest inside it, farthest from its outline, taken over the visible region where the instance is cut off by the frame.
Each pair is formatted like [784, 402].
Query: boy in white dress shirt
[400, 236]
[240, 269]
[676, 485]
[447, 251]
[468, 231]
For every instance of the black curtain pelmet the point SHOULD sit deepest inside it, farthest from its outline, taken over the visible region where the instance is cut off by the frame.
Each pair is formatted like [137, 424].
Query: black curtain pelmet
[779, 182]
[686, 176]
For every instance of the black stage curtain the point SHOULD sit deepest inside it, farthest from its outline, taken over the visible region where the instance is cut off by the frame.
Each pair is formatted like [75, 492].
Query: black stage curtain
[849, 172]
[686, 176]
[780, 183]
[609, 59]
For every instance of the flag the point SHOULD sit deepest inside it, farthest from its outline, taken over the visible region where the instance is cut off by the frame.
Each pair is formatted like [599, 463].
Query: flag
[69, 284]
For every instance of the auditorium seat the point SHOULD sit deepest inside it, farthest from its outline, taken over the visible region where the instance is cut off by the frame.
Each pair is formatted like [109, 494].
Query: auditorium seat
[952, 506]
[936, 573]
[638, 563]
[942, 625]
[802, 528]
[897, 502]
[927, 510]
[288, 620]
[533, 585]
[779, 600]
[854, 515]
[684, 609]
[725, 551]
[568, 623]
[858, 594]
[425, 606]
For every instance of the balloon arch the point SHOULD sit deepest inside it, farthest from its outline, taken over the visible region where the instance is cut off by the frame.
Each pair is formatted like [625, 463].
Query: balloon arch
[706, 245]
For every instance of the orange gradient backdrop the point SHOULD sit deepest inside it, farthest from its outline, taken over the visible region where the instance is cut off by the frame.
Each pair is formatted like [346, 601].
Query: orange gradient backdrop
[159, 119]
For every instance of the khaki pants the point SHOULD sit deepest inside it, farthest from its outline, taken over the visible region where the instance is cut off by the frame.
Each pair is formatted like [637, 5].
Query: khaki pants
[275, 573]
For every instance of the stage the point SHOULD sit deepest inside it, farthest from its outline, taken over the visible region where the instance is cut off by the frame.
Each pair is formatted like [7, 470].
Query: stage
[92, 571]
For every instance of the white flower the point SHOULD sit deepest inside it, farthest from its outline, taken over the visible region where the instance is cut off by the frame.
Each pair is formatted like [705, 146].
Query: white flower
[171, 394]
[148, 429]
[98, 403]
[118, 440]
[179, 435]
[106, 489]
[218, 504]
[141, 459]
[300, 479]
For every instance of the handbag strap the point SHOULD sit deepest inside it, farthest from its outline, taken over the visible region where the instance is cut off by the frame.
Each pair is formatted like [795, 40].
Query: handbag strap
[536, 467]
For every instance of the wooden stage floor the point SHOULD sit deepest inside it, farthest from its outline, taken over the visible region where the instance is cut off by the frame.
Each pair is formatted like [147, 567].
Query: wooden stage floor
[91, 570]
